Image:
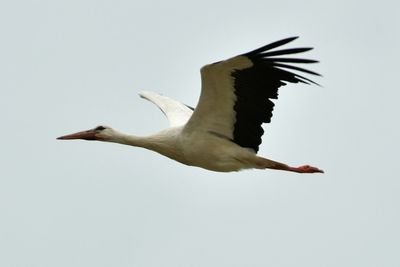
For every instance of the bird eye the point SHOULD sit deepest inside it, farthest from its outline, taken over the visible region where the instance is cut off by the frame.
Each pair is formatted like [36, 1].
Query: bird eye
[99, 128]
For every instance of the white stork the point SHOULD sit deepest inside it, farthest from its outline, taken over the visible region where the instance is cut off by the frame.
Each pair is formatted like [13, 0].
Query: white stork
[224, 131]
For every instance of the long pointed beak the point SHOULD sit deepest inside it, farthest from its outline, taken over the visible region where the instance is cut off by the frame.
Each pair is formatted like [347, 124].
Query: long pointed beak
[86, 135]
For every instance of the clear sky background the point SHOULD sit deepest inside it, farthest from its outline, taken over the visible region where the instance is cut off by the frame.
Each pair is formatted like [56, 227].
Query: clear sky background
[71, 65]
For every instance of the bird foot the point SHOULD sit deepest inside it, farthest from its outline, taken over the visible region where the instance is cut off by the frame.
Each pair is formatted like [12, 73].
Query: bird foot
[305, 169]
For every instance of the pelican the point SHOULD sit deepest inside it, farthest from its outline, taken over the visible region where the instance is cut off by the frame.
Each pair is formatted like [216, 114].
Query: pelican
[223, 133]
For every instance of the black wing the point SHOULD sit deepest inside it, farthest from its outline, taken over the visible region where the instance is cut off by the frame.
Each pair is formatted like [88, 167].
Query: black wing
[257, 85]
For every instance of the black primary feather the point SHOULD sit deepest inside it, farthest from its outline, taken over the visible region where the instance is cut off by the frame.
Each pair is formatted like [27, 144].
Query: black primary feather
[257, 85]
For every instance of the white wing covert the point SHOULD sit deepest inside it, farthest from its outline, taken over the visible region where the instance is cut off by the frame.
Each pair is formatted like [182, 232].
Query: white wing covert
[176, 112]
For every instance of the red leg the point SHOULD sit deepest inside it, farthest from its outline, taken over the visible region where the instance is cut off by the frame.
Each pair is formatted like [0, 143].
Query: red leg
[263, 163]
[304, 169]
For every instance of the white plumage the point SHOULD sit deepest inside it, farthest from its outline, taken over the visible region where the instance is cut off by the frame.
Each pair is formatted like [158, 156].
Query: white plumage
[224, 131]
[176, 112]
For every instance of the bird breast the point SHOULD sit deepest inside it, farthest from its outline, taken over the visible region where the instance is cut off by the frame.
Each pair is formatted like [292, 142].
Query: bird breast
[212, 152]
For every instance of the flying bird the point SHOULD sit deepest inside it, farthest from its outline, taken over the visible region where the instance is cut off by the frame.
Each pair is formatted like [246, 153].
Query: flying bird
[223, 133]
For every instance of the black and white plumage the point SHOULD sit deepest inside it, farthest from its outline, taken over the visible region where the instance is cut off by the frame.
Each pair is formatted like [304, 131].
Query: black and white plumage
[223, 132]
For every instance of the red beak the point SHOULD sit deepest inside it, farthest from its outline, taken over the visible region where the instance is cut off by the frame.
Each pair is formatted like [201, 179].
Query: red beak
[86, 135]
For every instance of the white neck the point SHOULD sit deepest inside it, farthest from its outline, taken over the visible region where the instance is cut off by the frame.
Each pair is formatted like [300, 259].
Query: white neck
[164, 142]
[126, 139]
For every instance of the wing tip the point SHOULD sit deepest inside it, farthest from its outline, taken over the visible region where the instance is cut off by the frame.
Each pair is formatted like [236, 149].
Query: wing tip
[147, 94]
[271, 46]
[143, 94]
[293, 38]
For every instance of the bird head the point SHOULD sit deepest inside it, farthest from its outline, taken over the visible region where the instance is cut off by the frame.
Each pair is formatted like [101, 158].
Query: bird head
[100, 133]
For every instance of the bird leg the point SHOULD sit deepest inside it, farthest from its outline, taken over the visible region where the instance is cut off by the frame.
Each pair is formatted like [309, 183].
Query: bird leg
[304, 169]
[270, 164]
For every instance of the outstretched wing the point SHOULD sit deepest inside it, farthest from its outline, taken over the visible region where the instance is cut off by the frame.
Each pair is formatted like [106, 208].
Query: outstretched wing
[236, 93]
[176, 112]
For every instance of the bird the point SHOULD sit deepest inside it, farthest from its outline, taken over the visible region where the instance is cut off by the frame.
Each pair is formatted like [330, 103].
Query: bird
[223, 132]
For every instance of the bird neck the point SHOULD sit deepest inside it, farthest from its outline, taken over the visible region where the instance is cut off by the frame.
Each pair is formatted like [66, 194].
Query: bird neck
[163, 142]
[128, 139]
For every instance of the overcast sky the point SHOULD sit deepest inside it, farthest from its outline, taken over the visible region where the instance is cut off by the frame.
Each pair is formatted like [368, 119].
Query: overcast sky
[71, 65]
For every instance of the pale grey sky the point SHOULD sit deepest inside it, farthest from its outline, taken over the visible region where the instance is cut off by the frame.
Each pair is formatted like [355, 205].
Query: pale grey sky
[71, 65]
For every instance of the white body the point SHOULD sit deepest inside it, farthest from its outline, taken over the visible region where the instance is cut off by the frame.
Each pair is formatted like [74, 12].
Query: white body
[199, 149]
